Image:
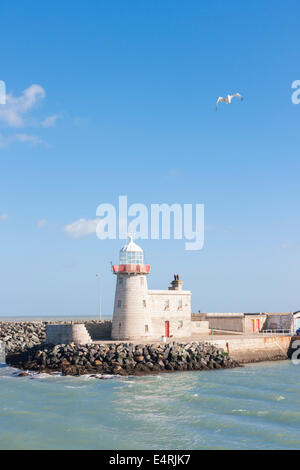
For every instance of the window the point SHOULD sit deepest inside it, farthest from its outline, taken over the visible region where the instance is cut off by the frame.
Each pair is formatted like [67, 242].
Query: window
[180, 324]
[180, 304]
[120, 281]
[131, 257]
[167, 304]
[144, 304]
[119, 303]
[146, 329]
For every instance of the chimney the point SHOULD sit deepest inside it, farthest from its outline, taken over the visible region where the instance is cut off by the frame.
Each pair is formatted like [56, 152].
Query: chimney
[176, 284]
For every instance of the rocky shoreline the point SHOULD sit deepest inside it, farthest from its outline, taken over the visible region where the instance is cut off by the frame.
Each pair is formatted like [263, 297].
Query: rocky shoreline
[26, 349]
[122, 359]
[21, 336]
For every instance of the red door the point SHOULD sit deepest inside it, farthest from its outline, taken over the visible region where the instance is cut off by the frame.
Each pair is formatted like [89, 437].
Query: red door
[253, 325]
[258, 325]
[167, 329]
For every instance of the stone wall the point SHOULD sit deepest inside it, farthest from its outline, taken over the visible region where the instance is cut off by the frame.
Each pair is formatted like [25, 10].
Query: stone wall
[226, 321]
[278, 322]
[200, 327]
[69, 333]
[99, 330]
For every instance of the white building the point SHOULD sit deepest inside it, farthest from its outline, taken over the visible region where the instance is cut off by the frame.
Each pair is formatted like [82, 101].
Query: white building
[145, 314]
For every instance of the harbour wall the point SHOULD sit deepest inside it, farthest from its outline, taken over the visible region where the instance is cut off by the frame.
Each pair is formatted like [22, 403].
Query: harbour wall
[66, 334]
[255, 348]
[77, 333]
[99, 330]
[21, 336]
[249, 322]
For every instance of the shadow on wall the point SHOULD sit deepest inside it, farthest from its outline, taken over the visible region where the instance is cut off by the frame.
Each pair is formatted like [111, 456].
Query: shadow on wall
[278, 322]
[98, 331]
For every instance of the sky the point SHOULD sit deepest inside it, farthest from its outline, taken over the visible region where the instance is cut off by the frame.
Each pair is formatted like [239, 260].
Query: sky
[118, 98]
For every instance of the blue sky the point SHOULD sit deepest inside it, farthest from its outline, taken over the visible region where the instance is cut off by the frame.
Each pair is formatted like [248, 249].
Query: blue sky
[124, 105]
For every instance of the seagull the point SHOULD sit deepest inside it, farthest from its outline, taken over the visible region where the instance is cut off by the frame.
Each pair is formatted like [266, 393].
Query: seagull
[228, 99]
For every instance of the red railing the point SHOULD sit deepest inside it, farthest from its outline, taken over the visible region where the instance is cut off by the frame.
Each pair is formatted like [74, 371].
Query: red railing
[131, 268]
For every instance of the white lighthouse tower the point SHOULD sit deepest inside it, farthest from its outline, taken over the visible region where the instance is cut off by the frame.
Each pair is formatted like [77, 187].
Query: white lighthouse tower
[132, 314]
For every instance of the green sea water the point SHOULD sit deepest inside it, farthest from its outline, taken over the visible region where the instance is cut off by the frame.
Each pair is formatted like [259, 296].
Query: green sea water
[255, 407]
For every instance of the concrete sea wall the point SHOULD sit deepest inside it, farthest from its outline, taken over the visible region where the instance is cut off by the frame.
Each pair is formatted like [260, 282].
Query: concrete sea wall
[255, 348]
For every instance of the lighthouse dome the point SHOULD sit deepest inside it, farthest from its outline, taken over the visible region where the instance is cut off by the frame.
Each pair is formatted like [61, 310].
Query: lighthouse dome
[131, 253]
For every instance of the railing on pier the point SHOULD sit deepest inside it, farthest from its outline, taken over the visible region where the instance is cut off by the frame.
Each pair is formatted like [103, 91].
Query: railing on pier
[278, 332]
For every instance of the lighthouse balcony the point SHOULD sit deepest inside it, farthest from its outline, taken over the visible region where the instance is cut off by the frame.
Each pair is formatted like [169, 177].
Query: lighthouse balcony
[131, 268]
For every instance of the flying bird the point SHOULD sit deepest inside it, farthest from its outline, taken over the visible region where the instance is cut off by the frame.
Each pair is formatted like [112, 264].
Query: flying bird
[227, 99]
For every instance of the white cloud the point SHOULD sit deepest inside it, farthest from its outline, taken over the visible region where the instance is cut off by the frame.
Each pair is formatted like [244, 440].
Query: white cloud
[3, 217]
[16, 113]
[81, 228]
[41, 223]
[50, 121]
[30, 139]
[12, 113]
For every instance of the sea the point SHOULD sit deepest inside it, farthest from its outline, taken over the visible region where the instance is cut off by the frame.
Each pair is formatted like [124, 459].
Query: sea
[253, 407]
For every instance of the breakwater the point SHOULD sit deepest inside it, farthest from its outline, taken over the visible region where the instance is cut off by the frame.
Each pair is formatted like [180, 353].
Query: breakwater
[22, 336]
[26, 348]
[123, 358]
[247, 349]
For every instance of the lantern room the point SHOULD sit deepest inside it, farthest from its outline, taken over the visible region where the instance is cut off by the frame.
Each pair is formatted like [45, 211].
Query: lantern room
[131, 253]
[131, 260]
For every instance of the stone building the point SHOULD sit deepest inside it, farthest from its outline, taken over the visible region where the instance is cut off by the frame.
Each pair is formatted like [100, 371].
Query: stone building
[140, 313]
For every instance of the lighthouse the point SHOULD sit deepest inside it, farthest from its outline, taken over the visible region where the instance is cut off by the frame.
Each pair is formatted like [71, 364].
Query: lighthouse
[143, 314]
[132, 315]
